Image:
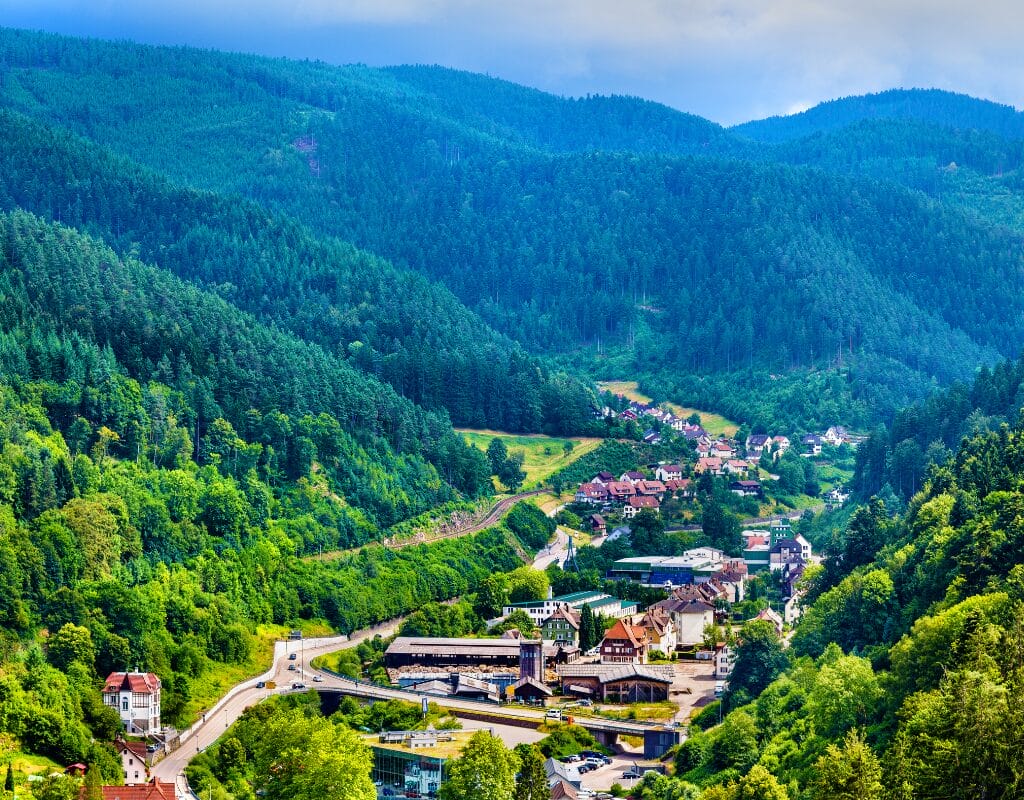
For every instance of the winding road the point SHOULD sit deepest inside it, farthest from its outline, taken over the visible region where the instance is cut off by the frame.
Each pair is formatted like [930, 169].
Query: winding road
[231, 706]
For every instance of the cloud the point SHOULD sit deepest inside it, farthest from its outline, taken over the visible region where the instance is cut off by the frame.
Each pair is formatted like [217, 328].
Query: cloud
[729, 60]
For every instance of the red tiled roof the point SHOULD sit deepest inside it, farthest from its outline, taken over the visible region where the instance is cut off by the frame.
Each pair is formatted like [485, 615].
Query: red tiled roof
[154, 790]
[140, 682]
[645, 501]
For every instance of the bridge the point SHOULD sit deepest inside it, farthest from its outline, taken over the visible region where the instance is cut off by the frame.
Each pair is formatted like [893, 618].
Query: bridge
[604, 730]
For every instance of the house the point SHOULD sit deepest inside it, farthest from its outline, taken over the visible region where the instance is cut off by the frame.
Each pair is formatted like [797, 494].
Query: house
[629, 414]
[153, 790]
[695, 433]
[651, 436]
[690, 617]
[745, 488]
[733, 579]
[812, 444]
[597, 524]
[632, 477]
[562, 790]
[793, 550]
[836, 496]
[723, 449]
[668, 472]
[599, 602]
[562, 626]
[735, 466]
[836, 435]
[134, 761]
[725, 660]
[136, 696]
[604, 477]
[757, 443]
[617, 683]
[620, 491]
[624, 643]
[703, 449]
[621, 532]
[680, 488]
[772, 616]
[530, 690]
[780, 444]
[470, 688]
[558, 773]
[414, 763]
[594, 494]
[637, 504]
[660, 630]
[651, 489]
[710, 464]
[675, 423]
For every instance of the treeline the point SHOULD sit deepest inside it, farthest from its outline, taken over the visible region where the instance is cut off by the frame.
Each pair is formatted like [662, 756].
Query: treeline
[928, 433]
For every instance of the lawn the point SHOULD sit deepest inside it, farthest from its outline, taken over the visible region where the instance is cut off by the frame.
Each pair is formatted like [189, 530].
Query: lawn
[715, 424]
[545, 455]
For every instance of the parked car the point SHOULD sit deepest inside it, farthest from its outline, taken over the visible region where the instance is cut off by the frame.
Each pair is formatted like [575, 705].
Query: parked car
[151, 748]
[585, 703]
[291, 668]
[719, 688]
[573, 759]
[583, 768]
[292, 656]
[597, 763]
[261, 684]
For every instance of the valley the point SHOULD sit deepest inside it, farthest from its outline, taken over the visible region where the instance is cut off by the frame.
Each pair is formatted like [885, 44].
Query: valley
[302, 361]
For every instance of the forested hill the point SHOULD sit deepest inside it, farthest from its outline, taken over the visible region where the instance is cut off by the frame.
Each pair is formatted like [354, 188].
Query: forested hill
[319, 288]
[546, 121]
[250, 391]
[927, 105]
[570, 226]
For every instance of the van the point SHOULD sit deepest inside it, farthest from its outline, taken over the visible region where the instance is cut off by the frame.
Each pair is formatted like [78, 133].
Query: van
[554, 713]
[719, 688]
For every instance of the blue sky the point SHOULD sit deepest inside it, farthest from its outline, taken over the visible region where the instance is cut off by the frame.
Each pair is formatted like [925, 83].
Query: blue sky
[728, 60]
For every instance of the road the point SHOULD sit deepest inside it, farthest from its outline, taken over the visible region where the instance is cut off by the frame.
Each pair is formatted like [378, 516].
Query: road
[207, 730]
[555, 551]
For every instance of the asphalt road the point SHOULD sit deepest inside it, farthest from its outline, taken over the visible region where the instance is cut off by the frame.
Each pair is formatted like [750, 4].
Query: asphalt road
[213, 724]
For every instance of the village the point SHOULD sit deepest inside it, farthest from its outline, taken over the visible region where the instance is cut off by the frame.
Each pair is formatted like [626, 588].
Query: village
[588, 655]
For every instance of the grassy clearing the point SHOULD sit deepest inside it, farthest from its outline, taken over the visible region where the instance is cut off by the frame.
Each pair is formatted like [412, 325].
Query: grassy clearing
[545, 455]
[660, 712]
[628, 389]
[550, 501]
[715, 424]
[29, 764]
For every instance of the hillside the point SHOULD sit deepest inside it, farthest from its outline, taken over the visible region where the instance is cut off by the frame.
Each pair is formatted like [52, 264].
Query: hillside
[674, 255]
[952, 110]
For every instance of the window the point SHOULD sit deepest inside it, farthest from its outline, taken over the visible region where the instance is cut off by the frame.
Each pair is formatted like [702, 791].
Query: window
[124, 704]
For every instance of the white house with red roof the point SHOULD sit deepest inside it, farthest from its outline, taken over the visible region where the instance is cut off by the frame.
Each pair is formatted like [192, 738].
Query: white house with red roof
[136, 696]
[636, 504]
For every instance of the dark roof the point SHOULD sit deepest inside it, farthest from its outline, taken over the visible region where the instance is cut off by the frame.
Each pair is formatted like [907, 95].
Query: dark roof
[609, 673]
[531, 682]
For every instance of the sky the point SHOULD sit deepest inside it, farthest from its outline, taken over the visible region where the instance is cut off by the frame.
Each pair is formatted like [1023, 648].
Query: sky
[727, 60]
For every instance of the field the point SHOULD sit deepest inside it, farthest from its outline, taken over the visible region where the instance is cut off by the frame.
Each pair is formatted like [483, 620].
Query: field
[715, 424]
[545, 455]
